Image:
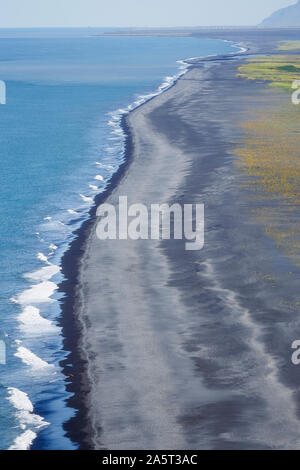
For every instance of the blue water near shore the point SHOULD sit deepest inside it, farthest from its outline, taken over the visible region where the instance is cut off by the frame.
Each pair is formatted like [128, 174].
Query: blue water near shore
[60, 142]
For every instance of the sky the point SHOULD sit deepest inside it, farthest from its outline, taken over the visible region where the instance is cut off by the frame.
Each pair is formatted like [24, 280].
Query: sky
[139, 13]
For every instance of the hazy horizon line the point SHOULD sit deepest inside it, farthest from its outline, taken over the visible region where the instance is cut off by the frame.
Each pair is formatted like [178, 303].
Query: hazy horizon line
[150, 27]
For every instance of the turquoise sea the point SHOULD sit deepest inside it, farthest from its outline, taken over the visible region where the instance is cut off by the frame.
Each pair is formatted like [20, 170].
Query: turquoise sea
[60, 142]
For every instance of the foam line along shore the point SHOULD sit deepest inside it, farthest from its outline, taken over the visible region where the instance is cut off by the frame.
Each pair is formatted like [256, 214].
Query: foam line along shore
[77, 364]
[87, 147]
[167, 343]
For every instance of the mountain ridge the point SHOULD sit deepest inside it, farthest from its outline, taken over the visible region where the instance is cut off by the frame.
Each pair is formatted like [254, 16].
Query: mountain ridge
[285, 17]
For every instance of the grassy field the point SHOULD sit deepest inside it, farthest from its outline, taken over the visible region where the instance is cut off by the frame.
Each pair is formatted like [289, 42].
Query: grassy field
[270, 160]
[279, 70]
[269, 154]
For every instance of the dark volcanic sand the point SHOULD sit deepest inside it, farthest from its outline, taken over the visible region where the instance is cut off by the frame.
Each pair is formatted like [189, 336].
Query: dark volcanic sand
[185, 350]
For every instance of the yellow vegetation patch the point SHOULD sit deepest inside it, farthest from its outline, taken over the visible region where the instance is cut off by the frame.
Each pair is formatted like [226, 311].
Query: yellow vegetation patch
[280, 70]
[271, 153]
[270, 158]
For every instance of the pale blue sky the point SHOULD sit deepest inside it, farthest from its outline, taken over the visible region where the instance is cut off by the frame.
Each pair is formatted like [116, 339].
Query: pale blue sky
[121, 13]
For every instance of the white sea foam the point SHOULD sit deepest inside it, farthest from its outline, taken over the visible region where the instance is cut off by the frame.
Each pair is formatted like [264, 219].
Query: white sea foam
[102, 165]
[52, 247]
[30, 318]
[99, 178]
[116, 116]
[30, 359]
[28, 421]
[240, 46]
[42, 257]
[118, 132]
[43, 274]
[53, 226]
[39, 237]
[31, 322]
[24, 441]
[36, 294]
[19, 400]
[93, 187]
[85, 198]
[110, 149]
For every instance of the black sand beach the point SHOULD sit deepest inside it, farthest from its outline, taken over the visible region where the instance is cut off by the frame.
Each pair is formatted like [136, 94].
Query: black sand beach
[172, 349]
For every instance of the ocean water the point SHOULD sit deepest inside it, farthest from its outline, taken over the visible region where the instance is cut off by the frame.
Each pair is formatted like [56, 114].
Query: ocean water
[60, 143]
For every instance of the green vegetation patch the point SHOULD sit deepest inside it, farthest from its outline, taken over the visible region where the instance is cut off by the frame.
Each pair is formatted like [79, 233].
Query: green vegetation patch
[281, 71]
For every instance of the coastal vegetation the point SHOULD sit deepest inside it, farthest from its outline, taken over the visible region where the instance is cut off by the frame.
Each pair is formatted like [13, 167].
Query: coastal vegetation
[269, 152]
[269, 157]
[279, 70]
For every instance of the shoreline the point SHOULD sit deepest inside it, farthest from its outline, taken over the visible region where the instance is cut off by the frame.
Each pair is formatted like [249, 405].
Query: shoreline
[74, 364]
[163, 117]
[74, 367]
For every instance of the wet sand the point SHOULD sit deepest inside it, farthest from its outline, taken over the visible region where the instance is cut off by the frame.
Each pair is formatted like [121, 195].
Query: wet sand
[184, 350]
